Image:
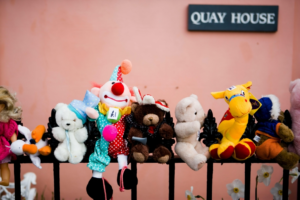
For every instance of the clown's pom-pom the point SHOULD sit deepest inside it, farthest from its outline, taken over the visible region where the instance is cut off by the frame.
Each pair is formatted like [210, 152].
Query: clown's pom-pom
[126, 66]
[109, 133]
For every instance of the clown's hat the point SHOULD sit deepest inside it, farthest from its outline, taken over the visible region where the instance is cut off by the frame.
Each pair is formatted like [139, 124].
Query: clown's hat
[124, 68]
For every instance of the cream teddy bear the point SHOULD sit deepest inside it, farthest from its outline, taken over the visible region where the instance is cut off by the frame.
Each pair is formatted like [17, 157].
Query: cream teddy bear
[70, 133]
[190, 116]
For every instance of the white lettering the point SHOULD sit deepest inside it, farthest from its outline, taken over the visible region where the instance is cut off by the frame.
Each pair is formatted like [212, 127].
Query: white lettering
[195, 17]
[247, 18]
[213, 17]
[202, 17]
[235, 17]
[271, 18]
[221, 17]
[262, 18]
[252, 18]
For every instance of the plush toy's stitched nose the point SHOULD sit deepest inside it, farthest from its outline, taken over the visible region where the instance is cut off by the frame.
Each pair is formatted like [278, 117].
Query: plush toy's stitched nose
[117, 89]
[68, 124]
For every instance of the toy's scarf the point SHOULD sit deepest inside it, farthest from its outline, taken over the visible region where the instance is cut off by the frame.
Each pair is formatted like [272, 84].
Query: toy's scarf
[103, 108]
[146, 130]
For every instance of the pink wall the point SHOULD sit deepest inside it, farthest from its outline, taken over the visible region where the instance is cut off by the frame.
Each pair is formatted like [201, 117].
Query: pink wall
[50, 51]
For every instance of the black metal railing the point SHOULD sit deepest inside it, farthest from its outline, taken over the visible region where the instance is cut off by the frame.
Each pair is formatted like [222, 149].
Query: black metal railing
[171, 163]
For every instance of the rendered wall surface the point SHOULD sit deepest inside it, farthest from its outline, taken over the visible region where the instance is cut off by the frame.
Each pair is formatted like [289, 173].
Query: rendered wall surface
[50, 51]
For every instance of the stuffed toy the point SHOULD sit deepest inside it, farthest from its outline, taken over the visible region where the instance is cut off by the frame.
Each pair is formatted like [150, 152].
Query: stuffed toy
[33, 146]
[110, 116]
[149, 131]
[8, 131]
[70, 131]
[270, 132]
[190, 117]
[295, 115]
[233, 125]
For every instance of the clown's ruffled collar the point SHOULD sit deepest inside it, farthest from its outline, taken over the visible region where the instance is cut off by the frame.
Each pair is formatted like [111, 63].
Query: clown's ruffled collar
[147, 130]
[103, 108]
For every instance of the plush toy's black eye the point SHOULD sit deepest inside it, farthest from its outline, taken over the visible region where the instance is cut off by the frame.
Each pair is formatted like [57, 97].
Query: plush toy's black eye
[113, 83]
[226, 98]
[195, 113]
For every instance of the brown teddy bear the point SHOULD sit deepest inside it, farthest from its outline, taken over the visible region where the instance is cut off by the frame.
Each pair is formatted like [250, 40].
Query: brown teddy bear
[271, 134]
[148, 129]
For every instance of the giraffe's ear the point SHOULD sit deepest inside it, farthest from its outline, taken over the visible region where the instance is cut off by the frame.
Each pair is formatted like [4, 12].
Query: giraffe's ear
[218, 95]
[247, 85]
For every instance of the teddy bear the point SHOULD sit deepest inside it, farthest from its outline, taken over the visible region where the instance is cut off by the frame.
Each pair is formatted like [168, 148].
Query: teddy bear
[190, 117]
[295, 115]
[270, 132]
[34, 145]
[70, 133]
[109, 115]
[149, 131]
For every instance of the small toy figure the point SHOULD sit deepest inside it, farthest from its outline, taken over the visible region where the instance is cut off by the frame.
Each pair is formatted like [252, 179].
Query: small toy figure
[114, 106]
[295, 114]
[8, 131]
[233, 125]
[149, 131]
[270, 132]
[190, 117]
[39, 146]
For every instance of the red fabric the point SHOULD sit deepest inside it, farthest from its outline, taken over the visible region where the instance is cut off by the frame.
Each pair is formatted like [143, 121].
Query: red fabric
[252, 147]
[227, 153]
[227, 116]
[214, 154]
[119, 75]
[118, 145]
[151, 129]
[6, 132]
[241, 151]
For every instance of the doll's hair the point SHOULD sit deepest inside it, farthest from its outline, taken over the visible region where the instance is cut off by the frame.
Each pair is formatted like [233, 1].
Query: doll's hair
[10, 111]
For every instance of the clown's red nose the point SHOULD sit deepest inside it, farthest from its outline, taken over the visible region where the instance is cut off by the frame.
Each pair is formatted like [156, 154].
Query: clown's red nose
[117, 89]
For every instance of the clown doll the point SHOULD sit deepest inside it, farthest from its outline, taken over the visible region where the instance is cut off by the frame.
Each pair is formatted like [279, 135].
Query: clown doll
[110, 116]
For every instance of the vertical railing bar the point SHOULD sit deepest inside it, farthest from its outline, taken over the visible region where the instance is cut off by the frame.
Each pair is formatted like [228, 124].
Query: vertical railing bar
[298, 189]
[56, 180]
[210, 169]
[17, 173]
[171, 179]
[134, 189]
[247, 180]
[285, 184]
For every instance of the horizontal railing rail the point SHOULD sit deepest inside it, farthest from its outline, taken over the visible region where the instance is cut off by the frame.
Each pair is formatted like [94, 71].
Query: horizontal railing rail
[210, 164]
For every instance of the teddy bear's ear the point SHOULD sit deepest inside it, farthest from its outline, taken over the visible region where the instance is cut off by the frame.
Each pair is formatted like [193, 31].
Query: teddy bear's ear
[59, 105]
[194, 96]
[293, 84]
[95, 91]
[184, 103]
[134, 105]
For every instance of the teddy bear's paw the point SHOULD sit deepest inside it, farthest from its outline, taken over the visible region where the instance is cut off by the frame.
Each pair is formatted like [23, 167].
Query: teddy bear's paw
[163, 159]
[138, 157]
[97, 190]
[61, 154]
[166, 131]
[285, 133]
[200, 165]
[59, 133]
[75, 158]
[287, 160]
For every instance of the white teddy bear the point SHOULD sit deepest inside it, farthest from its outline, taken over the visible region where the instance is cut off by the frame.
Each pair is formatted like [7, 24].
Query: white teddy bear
[70, 133]
[190, 116]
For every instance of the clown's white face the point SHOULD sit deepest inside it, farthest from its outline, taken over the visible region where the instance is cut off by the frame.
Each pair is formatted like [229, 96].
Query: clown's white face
[115, 94]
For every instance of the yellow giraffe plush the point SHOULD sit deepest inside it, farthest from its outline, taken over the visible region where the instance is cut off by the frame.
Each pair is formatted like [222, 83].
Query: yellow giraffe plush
[234, 123]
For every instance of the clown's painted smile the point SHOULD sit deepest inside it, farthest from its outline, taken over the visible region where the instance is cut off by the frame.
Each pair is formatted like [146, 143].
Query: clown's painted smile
[113, 100]
[105, 96]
